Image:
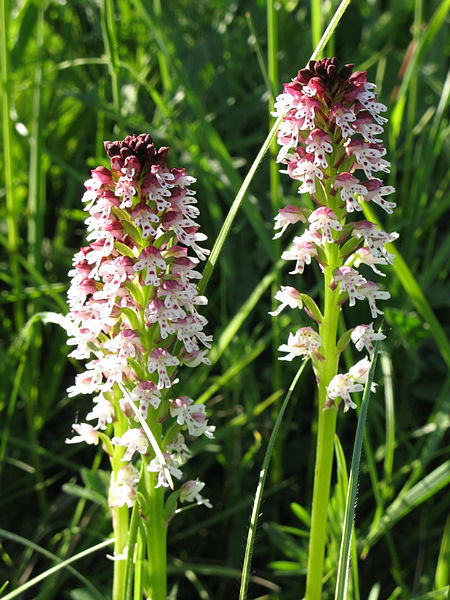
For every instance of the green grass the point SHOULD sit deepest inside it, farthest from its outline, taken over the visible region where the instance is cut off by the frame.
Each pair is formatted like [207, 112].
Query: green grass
[78, 73]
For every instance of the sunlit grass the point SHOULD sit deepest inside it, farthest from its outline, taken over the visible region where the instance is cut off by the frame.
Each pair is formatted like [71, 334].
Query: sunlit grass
[75, 74]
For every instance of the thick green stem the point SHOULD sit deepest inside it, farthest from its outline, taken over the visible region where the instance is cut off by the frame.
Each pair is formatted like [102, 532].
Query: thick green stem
[120, 524]
[156, 539]
[325, 434]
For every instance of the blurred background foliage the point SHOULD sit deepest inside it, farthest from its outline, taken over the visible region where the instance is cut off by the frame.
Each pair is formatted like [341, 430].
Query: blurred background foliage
[77, 72]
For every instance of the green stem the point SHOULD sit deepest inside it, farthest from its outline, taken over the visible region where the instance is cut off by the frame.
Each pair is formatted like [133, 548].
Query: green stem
[12, 209]
[325, 434]
[120, 524]
[156, 539]
[272, 63]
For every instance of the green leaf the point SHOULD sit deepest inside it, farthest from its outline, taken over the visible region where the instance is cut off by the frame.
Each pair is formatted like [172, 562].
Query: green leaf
[171, 504]
[312, 307]
[301, 513]
[138, 368]
[135, 291]
[406, 502]
[344, 341]
[81, 492]
[134, 233]
[124, 250]
[132, 317]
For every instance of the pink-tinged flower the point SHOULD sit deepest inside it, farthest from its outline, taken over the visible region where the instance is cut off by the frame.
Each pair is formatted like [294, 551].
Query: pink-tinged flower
[323, 219]
[114, 313]
[182, 201]
[375, 239]
[341, 386]
[134, 440]
[350, 186]
[366, 98]
[189, 414]
[146, 393]
[305, 112]
[344, 117]
[126, 189]
[286, 216]
[179, 449]
[314, 87]
[365, 257]
[156, 467]
[189, 330]
[288, 296]
[194, 359]
[190, 492]
[86, 433]
[151, 260]
[302, 250]
[360, 370]
[157, 312]
[368, 156]
[158, 360]
[350, 281]
[123, 489]
[143, 216]
[85, 383]
[375, 192]
[305, 171]
[125, 344]
[364, 125]
[304, 342]
[371, 292]
[184, 267]
[319, 143]
[363, 336]
[103, 411]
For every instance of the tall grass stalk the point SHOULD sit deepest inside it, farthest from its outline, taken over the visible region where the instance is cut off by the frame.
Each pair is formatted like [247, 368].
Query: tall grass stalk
[11, 206]
[251, 535]
[350, 504]
[275, 193]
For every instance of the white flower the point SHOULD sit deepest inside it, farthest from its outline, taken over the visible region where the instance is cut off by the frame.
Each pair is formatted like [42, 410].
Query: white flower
[304, 342]
[363, 336]
[190, 492]
[134, 440]
[86, 433]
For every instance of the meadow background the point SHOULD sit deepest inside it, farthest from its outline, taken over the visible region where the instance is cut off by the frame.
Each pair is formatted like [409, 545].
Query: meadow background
[192, 74]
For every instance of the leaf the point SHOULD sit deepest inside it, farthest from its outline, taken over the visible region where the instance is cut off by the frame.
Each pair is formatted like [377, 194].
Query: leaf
[132, 317]
[312, 308]
[124, 250]
[81, 492]
[344, 341]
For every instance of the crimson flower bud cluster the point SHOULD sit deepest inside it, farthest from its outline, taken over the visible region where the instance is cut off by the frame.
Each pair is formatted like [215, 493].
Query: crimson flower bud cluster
[330, 143]
[134, 312]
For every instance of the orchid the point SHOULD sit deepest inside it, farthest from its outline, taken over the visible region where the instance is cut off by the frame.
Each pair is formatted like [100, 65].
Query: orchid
[134, 318]
[330, 119]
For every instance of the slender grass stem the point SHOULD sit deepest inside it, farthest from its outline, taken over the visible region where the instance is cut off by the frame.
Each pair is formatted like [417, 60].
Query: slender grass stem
[36, 197]
[260, 489]
[347, 528]
[11, 207]
[275, 188]
[110, 38]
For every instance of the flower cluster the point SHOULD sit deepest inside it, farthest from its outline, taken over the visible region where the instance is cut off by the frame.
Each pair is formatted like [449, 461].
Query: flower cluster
[330, 144]
[134, 310]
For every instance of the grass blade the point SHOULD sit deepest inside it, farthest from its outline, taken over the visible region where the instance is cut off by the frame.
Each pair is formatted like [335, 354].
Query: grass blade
[62, 565]
[259, 490]
[344, 554]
